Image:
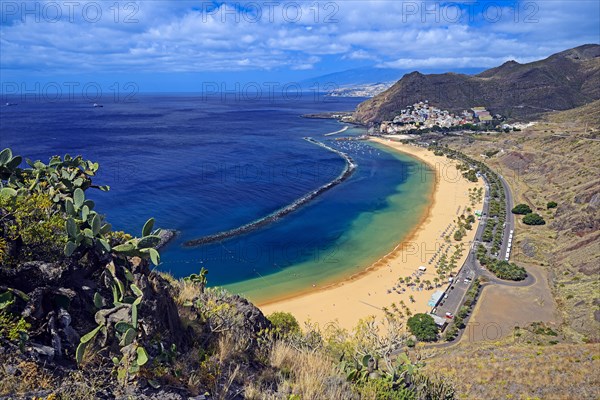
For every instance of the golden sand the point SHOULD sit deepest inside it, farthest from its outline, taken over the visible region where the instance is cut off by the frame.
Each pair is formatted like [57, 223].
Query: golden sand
[367, 293]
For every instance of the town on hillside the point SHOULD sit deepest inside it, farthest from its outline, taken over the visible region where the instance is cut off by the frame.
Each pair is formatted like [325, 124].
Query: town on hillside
[423, 117]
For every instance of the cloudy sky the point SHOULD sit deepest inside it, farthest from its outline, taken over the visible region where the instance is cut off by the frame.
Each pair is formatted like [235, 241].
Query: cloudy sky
[174, 45]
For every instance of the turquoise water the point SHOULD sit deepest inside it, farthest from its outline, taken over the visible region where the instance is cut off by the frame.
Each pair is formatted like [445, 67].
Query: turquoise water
[369, 236]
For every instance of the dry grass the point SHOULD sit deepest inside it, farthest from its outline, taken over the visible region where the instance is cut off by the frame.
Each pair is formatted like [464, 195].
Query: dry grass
[305, 374]
[509, 371]
[226, 348]
[186, 292]
[28, 377]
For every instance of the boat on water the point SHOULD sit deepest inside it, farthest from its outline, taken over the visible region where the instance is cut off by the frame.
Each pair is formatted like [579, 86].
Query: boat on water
[96, 105]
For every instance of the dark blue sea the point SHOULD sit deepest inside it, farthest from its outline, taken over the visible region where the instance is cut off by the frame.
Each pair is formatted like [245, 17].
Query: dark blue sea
[201, 165]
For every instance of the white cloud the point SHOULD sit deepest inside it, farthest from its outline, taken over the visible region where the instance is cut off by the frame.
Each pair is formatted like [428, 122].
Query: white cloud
[190, 36]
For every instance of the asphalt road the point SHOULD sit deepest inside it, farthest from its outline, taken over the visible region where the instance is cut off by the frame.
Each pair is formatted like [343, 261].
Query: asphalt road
[471, 268]
[510, 218]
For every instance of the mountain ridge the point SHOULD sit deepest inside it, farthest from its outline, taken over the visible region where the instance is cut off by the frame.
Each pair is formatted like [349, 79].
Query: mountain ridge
[562, 81]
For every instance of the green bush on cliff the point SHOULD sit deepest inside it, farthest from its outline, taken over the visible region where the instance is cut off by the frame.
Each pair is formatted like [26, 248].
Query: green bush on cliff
[521, 209]
[533, 219]
[284, 323]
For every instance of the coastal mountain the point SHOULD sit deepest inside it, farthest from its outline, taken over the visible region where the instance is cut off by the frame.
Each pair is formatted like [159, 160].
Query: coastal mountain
[560, 82]
[368, 75]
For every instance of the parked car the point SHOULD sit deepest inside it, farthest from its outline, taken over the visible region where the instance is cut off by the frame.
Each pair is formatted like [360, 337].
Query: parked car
[449, 315]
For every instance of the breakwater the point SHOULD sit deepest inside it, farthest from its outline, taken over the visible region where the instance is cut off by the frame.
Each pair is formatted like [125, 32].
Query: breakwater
[276, 215]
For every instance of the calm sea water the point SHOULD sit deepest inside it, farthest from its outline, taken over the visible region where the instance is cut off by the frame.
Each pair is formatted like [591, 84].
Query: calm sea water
[202, 165]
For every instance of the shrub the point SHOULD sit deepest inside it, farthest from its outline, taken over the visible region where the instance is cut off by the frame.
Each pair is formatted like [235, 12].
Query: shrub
[521, 209]
[458, 235]
[12, 327]
[471, 175]
[533, 219]
[551, 204]
[423, 327]
[284, 323]
[505, 270]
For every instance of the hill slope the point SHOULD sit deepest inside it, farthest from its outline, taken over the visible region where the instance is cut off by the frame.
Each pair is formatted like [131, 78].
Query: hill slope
[560, 82]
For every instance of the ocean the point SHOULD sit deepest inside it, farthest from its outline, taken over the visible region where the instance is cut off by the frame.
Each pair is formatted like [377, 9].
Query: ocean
[203, 164]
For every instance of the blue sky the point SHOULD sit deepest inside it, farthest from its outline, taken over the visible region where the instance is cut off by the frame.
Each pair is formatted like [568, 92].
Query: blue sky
[181, 45]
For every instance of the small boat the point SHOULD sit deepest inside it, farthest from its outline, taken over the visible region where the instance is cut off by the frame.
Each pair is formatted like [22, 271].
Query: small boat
[98, 105]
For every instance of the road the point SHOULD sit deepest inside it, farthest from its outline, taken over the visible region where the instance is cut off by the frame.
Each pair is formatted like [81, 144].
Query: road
[510, 218]
[455, 293]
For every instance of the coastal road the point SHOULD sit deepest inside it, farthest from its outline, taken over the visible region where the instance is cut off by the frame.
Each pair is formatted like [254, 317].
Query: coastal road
[510, 218]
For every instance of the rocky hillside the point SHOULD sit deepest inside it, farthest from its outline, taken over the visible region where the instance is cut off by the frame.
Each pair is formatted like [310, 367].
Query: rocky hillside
[557, 160]
[562, 81]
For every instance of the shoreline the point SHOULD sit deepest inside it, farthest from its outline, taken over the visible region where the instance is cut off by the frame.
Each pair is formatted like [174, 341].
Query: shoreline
[367, 292]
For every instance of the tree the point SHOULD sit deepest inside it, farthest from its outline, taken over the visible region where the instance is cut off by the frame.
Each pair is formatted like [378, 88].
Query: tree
[533, 219]
[423, 327]
[551, 204]
[521, 209]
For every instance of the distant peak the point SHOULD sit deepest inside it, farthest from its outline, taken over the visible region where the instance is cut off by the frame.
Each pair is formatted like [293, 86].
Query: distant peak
[414, 74]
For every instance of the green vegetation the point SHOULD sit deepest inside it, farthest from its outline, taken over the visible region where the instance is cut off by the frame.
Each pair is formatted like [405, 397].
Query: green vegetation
[471, 175]
[458, 235]
[491, 153]
[539, 328]
[509, 271]
[501, 268]
[551, 204]
[12, 327]
[533, 219]
[284, 323]
[521, 209]
[423, 327]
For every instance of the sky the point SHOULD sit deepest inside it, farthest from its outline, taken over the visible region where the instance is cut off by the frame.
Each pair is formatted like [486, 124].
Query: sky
[189, 45]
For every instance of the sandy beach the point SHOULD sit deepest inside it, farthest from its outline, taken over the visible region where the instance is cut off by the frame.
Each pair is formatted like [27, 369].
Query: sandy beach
[377, 287]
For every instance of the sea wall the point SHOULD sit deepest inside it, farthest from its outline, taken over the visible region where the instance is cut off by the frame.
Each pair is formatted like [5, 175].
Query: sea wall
[276, 215]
